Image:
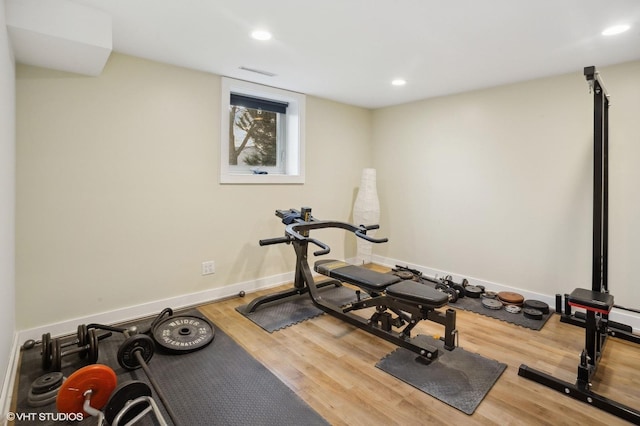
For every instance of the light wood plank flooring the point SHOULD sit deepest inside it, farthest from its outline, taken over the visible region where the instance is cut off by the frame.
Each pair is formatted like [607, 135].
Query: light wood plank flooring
[331, 365]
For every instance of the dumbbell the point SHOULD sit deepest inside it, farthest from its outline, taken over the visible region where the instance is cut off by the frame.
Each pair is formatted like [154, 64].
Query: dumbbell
[86, 344]
[81, 339]
[459, 288]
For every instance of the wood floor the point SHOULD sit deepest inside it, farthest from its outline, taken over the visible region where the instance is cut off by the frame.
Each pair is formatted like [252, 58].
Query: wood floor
[331, 365]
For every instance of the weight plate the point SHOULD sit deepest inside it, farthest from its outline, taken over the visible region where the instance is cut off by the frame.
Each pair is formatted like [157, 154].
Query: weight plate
[182, 334]
[46, 382]
[491, 304]
[532, 313]
[82, 335]
[46, 351]
[56, 355]
[93, 346]
[489, 295]
[512, 309]
[453, 295]
[137, 343]
[98, 378]
[121, 396]
[536, 304]
[42, 403]
[511, 297]
[38, 397]
[460, 289]
[473, 291]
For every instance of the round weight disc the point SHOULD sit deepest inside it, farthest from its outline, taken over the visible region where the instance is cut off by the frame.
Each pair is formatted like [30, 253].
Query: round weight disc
[536, 304]
[46, 382]
[489, 295]
[46, 351]
[491, 303]
[39, 397]
[56, 355]
[125, 392]
[98, 378]
[473, 291]
[82, 335]
[42, 403]
[93, 345]
[182, 334]
[136, 343]
[532, 313]
[460, 289]
[512, 309]
[453, 295]
[511, 298]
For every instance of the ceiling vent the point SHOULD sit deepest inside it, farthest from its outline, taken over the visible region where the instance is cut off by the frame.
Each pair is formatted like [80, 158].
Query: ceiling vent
[267, 73]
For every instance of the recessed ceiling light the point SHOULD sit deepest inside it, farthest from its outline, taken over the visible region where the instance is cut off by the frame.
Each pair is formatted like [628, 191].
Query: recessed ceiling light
[398, 82]
[261, 35]
[616, 29]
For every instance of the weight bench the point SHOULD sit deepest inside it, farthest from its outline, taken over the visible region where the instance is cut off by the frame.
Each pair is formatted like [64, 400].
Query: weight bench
[411, 301]
[376, 283]
[398, 303]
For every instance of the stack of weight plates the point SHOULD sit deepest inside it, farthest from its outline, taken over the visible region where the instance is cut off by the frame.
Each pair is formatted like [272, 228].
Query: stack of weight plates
[534, 309]
[44, 389]
[510, 298]
[512, 301]
[473, 291]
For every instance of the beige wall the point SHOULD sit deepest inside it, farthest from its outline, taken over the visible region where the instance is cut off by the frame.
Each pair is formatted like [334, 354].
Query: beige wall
[7, 201]
[118, 200]
[497, 184]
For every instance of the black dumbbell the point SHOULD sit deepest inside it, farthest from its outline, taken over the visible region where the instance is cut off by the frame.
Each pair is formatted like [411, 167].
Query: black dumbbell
[52, 349]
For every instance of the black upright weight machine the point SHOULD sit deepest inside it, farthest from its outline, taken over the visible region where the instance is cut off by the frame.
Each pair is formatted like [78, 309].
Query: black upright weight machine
[399, 305]
[597, 302]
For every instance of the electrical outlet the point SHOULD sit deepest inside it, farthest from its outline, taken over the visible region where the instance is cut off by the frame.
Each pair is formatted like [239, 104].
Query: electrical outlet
[208, 267]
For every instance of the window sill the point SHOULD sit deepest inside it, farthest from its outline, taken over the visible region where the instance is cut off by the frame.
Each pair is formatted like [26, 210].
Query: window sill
[242, 178]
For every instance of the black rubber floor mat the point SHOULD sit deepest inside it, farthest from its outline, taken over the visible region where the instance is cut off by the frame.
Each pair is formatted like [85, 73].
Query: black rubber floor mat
[458, 378]
[475, 305]
[221, 384]
[276, 315]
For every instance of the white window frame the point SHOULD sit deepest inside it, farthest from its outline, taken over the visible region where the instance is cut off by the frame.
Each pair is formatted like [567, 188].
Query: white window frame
[294, 144]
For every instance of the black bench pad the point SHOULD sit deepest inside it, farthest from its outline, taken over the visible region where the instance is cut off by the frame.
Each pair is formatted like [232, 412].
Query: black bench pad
[416, 292]
[357, 275]
[591, 300]
[407, 290]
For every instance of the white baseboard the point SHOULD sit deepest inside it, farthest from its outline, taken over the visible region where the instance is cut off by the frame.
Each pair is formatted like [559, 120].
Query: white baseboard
[618, 315]
[151, 308]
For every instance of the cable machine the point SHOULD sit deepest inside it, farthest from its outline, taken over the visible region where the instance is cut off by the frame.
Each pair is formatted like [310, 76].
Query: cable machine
[597, 302]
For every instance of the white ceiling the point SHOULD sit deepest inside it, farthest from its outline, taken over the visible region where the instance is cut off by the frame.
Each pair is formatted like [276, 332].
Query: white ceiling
[350, 50]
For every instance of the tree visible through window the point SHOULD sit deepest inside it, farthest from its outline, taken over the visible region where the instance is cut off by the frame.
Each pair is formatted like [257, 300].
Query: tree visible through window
[256, 133]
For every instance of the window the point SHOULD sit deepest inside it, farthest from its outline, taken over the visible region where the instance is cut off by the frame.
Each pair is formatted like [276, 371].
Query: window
[262, 138]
